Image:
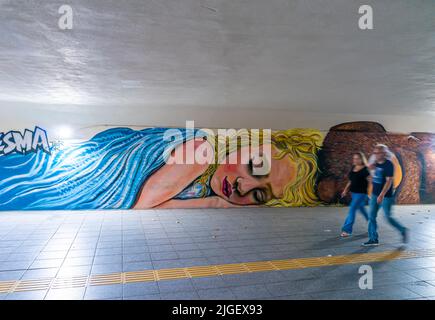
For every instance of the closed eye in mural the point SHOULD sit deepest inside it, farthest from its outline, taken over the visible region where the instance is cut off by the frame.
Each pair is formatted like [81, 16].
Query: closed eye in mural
[122, 168]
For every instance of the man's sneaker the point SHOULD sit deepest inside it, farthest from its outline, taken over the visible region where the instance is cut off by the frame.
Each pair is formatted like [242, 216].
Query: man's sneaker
[405, 236]
[371, 243]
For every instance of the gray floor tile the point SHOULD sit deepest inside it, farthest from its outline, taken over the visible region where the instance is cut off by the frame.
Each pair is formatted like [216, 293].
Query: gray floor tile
[298, 274]
[136, 257]
[190, 254]
[80, 253]
[191, 262]
[222, 260]
[27, 295]
[166, 286]
[145, 297]
[292, 297]
[405, 264]
[395, 292]
[110, 259]
[39, 273]
[65, 294]
[397, 277]
[108, 251]
[179, 238]
[103, 292]
[16, 257]
[422, 288]
[46, 263]
[180, 295]
[106, 268]
[285, 288]
[51, 255]
[11, 266]
[11, 275]
[77, 261]
[353, 294]
[185, 247]
[252, 278]
[209, 283]
[161, 248]
[164, 256]
[216, 294]
[65, 272]
[140, 289]
[251, 292]
[137, 266]
[167, 264]
[421, 274]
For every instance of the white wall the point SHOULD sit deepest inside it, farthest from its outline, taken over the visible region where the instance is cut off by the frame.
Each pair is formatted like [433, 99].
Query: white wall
[87, 120]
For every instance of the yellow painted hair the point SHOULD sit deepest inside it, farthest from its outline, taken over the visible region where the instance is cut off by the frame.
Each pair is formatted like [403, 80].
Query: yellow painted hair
[299, 145]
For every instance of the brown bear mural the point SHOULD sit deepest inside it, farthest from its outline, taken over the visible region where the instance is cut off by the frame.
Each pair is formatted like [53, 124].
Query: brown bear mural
[415, 154]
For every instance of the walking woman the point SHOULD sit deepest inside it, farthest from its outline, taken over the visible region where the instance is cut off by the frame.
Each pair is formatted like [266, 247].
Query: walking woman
[357, 185]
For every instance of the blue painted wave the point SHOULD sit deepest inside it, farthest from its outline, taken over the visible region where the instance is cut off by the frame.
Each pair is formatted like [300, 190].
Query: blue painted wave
[106, 172]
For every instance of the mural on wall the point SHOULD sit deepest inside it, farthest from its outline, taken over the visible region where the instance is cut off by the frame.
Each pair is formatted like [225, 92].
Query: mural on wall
[122, 168]
[414, 161]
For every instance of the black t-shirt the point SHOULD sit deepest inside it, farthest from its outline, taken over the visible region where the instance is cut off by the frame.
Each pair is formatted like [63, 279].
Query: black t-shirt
[358, 180]
[383, 170]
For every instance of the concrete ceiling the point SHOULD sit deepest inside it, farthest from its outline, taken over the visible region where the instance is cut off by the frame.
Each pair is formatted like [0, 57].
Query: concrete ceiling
[273, 55]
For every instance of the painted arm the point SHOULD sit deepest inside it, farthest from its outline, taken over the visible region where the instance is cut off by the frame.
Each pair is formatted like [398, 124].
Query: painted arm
[169, 180]
[209, 202]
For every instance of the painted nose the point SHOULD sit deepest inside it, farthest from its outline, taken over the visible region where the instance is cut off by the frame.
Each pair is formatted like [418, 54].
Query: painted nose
[244, 185]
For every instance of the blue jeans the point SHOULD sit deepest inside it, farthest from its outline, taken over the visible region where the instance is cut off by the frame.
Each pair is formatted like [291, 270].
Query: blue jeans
[386, 204]
[358, 202]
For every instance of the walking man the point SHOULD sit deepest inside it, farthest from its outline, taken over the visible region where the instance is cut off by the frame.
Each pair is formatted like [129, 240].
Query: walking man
[382, 195]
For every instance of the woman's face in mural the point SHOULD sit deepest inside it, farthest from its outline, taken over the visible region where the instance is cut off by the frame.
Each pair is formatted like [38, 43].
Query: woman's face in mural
[237, 184]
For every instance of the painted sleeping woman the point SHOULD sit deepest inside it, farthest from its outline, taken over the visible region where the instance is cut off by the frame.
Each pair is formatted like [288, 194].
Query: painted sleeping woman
[122, 168]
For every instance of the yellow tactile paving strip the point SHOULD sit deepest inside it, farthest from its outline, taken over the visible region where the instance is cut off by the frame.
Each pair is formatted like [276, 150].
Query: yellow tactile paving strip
[206, 271]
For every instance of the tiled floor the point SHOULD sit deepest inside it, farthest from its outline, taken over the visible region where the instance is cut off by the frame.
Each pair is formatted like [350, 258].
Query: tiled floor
[37, 245]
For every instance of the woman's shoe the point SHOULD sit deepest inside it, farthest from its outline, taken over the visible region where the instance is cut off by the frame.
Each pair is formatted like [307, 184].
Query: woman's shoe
[344, 234]
[371, 243]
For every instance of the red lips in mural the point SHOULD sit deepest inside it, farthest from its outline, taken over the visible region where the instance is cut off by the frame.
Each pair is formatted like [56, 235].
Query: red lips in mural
[227, 188]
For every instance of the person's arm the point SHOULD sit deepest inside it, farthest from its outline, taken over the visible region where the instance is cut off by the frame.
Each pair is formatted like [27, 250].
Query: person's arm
[369, 184]
[346, 189]
[209, 202]
[371, 165]
[368, 175]
[387, 186]
[389, 173]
